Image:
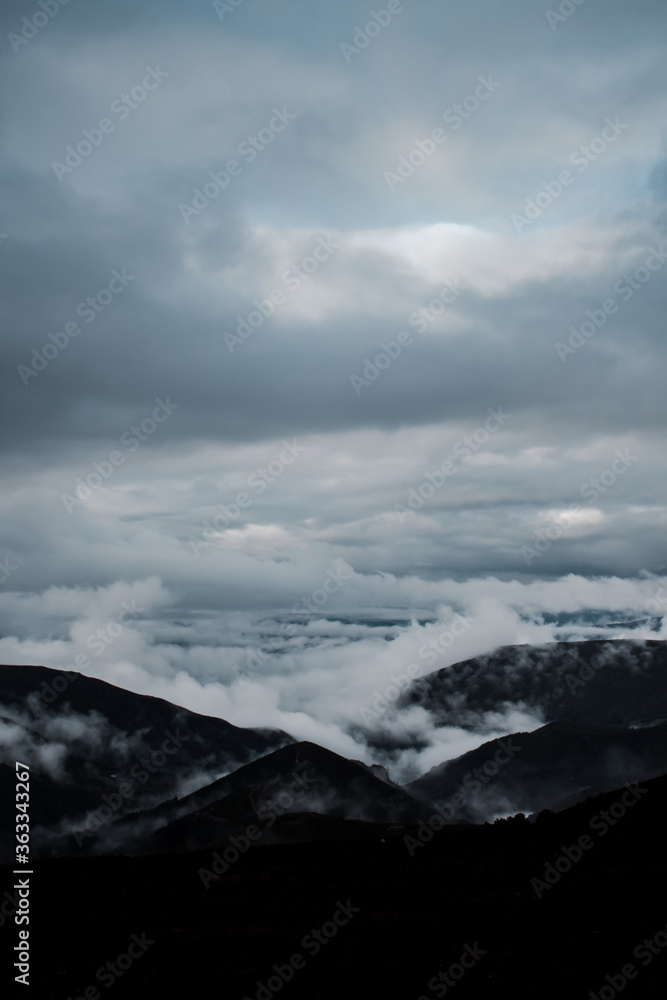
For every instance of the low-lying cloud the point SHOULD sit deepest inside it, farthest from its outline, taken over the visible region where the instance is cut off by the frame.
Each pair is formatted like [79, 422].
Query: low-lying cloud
[334, 679]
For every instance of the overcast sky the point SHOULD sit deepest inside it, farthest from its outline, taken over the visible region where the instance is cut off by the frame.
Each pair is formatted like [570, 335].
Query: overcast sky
[413, 332]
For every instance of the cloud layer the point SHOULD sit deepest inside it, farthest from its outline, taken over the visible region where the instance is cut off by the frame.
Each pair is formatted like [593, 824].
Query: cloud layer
[295, 293]
[333, 678]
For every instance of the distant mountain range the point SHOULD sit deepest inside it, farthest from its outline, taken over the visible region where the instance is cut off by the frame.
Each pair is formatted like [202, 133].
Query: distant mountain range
[116, 772]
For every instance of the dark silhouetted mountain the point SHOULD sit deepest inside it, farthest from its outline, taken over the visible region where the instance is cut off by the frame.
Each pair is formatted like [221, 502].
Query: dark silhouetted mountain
[544, 918]
[550, 768]
[603, 682]
[94, 747]
[301, 778]
[116, 772]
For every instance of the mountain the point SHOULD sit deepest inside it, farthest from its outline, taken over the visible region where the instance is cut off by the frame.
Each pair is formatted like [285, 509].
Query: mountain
[562, 907]
[116, 772]
[245, 858]
[97, 750]
[605, 705]
[611, 681]
[550, 768]
[301, 780]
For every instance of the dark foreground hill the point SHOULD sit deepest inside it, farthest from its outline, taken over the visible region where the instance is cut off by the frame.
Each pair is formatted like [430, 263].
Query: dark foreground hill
[572, 905]
[301, 780]
[315, 877]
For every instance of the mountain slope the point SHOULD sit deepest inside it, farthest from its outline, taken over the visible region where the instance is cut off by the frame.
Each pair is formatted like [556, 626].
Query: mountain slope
[94, 748]
[601, 681]
[301, 780]
[550, 768]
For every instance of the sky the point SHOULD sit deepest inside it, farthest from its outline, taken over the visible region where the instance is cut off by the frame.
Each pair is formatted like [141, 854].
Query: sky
[305, 294]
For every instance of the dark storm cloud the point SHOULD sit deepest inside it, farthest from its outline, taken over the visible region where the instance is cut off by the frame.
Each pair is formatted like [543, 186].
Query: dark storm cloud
[174, 276]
